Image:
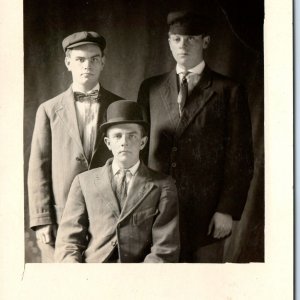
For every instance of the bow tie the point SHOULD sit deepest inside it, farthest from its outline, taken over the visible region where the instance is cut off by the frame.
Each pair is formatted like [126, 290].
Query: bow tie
[91, 97]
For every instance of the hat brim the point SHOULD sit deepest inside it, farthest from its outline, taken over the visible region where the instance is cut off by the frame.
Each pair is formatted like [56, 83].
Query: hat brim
[105, 126]
[83, 43]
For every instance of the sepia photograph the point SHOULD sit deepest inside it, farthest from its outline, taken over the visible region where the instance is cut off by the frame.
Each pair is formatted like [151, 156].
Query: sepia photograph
[149, 132]
[205, 135]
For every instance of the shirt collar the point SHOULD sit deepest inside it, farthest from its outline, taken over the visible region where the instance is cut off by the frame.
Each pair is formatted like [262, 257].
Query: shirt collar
[76, 88]
[197, 69]
[133, 169]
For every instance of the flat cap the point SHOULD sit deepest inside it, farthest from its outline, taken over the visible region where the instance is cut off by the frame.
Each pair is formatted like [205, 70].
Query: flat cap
[82, 38]
[188, 23]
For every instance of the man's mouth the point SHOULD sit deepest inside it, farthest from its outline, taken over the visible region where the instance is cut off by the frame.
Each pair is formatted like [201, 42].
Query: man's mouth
[124, 151]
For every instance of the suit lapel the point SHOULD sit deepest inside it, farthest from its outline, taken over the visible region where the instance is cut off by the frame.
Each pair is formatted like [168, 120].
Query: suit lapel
[67, 113]
[103, 184]
[169, 94]
[198, 98]
[105, 100]
[140, 188]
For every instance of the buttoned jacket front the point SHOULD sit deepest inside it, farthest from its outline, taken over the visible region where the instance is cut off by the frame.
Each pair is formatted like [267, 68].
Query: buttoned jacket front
[146, 230]
[208, 151]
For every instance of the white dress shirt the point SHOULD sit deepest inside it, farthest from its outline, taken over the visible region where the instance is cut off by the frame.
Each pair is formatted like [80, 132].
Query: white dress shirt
[87, 118]
[194, 74]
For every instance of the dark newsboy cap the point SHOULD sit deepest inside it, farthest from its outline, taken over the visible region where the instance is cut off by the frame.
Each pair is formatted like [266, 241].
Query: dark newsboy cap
[82, 38]
[124, 111]
[188, 23]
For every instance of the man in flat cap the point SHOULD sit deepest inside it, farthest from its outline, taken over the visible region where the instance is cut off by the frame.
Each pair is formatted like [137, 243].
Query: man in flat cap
[201, 135]
[65, 139]
[122, 212]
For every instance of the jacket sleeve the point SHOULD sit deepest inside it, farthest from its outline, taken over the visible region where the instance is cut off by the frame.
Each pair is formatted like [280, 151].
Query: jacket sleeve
[39, 172]
[71, 240]
[238, 168]
[165, 231]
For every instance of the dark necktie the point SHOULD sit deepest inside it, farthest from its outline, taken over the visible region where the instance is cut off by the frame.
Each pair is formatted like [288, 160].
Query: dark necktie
[121, 188]
[91, 97]
[183, 93]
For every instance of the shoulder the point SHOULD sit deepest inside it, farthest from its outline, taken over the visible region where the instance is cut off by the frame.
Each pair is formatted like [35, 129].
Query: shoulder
[87, 175]
[155, 80]
[160, 178]
[52, 104]
[220, 81]
[109, 95]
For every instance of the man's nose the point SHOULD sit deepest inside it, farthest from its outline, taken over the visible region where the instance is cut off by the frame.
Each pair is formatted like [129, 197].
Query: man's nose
[87, 63]
[124, 140]
[183, 43]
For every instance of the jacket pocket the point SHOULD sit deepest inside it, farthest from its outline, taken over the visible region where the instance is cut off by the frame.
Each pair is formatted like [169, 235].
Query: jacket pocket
[144, 215]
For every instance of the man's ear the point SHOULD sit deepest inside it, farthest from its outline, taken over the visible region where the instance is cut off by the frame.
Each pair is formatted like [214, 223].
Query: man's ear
[206, 41]
[107, 142]
[67, 62]
[103, 60]
[143, 142]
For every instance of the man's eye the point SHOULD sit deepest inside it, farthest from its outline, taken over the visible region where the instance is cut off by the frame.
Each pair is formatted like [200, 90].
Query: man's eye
[132, 136]
[191, 38]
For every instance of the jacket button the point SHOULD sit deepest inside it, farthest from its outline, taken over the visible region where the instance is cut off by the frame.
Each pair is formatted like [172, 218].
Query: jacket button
[174, 149]
[173, 164]
[113, 243]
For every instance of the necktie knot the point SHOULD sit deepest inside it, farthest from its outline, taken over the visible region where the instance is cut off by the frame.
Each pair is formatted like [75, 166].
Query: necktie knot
[92, 97]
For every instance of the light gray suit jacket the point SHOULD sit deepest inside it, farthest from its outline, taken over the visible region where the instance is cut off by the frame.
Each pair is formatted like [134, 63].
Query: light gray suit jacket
[57, 155]
[146, 230]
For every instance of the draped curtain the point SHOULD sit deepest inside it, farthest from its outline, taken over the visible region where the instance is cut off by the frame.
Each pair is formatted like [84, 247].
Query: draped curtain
[137, 48]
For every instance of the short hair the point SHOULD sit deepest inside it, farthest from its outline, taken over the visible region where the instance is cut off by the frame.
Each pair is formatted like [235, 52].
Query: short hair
[142, 129]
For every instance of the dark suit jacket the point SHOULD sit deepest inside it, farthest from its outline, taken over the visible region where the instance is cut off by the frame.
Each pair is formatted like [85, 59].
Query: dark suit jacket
[57, 155]
[208, 150]
[145, 231]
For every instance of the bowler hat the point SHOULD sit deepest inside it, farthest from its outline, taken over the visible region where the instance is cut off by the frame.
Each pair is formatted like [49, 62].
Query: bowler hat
[188, 23]
[124, 111]
[82, 38]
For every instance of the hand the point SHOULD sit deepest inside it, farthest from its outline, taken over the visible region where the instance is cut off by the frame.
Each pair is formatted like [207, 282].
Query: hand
[220, 225]
[46, 233]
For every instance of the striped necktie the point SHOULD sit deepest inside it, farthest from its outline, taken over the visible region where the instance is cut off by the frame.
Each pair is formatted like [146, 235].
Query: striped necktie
[183, 93]
[121, 187]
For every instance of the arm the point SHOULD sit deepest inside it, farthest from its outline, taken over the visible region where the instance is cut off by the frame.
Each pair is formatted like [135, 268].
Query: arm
[165, 230]
[71, 238]
[238, 166]
[39, 173]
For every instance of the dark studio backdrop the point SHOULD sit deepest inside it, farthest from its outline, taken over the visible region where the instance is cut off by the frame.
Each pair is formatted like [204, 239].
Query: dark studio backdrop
[137, 48]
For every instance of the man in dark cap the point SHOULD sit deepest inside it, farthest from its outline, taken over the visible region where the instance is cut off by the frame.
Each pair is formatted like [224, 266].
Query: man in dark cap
[65, 139]
[201, 135]
[122, 212]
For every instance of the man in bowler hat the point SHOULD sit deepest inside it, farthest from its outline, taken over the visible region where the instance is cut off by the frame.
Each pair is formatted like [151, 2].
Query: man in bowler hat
[122, 212]
[200, 134]
[65, 139]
